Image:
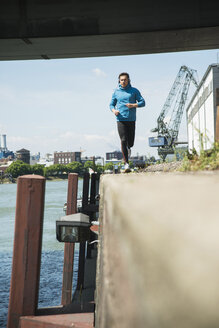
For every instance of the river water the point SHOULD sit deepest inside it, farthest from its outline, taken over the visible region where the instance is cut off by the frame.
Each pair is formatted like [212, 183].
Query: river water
[52, 250]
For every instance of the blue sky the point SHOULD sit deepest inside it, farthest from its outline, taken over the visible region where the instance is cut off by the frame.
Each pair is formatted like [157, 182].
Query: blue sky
[53, 105]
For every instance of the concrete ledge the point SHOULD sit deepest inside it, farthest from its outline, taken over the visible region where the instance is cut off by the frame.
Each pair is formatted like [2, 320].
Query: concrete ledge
[159, 249]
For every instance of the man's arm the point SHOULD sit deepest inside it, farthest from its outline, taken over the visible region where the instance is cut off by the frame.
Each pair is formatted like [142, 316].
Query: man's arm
[140, 101]
[132, 105]
[113, 104]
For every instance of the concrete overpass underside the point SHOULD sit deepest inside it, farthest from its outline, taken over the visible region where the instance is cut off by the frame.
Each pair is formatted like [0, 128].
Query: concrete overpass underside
[46, 29]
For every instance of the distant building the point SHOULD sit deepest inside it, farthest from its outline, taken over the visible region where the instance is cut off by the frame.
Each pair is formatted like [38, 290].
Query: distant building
[49, 157]
[114, 161]
[203, 112]
[4, 165]
[3, 144]
[66, 157]
[34, 158]
[98, 160]
[4, 152]
[23, 155]
[115, 155]
[138, 160]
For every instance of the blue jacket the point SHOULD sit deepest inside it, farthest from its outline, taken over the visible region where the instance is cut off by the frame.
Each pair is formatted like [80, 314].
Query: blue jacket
[121, 97]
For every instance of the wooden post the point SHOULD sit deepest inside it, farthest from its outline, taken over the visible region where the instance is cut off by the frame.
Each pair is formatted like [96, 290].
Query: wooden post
[81, 263]
[69, 247]
[27, 248]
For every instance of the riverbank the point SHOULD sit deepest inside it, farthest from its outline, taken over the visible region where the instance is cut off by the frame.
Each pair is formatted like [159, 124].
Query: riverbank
[8, 181]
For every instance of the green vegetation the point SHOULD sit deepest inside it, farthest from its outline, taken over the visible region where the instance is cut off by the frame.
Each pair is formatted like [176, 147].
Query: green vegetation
[108, 166]
[95, 167]
[207, 160]
[37, 169]
[18, 168]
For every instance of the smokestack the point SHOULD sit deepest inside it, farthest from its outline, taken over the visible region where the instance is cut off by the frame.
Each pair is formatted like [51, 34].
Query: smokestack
[3, 142]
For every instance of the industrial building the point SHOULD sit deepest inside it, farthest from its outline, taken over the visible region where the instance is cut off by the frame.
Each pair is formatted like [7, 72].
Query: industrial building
[23, 155]
[4, 152]
[115, 155]
[203, 112]
[66, 157]
[3, 145]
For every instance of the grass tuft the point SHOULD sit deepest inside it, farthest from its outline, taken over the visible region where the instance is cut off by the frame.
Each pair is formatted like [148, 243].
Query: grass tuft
[207, 160]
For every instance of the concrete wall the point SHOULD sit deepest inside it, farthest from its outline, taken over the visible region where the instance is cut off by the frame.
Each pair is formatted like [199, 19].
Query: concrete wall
[158, 253]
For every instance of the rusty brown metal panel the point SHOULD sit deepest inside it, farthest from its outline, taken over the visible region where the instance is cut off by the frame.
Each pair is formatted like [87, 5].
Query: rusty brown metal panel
[69, 247]
[72, 193]
[77, 320]
[27, 248]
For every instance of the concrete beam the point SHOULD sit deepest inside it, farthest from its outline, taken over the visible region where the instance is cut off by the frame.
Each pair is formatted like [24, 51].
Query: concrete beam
[158, 254]
[46, 29]
[110, 45]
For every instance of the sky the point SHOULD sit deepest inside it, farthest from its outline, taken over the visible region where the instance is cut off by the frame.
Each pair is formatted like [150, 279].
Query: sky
[60, 105]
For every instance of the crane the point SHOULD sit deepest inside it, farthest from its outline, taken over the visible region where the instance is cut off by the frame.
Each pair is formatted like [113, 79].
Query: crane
[167, 132]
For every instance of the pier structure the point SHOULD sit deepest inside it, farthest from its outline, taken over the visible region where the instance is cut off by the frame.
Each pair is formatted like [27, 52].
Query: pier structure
[157, 262]
[75, 310]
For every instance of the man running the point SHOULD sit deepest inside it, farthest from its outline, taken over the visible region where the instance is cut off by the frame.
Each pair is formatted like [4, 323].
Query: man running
[125, 100]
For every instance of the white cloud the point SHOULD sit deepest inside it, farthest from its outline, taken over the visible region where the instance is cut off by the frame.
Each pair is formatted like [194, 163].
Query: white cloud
[95, 137]
[3, 129]
[140, 138]
[67, 134]
[98, 72]
[113, 133]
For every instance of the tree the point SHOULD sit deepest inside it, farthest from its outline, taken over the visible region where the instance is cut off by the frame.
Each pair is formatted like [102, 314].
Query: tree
[89, 165]
[108, 166]
[55, 170]
[75, 167]
[37, 169]
[99, 169]
[18, 168]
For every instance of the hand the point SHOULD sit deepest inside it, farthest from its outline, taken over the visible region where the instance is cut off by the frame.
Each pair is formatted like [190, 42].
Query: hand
[115, 111]
[131, 105]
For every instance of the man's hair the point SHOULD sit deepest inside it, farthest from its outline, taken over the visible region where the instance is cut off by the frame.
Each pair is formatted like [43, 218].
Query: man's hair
[124, 73]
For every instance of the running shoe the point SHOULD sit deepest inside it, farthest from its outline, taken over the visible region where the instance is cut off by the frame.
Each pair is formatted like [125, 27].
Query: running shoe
[126, 166]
